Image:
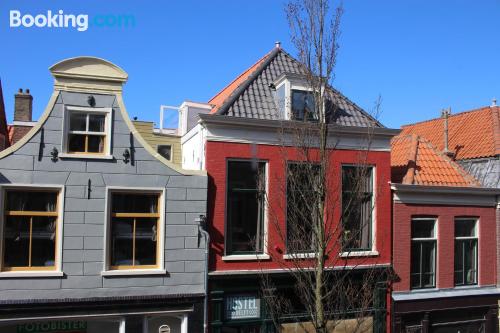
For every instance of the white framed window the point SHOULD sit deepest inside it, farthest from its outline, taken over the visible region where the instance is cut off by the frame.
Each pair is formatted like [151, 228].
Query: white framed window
[466, 251]
[246, 211]
[87, 132]
[358, 209]
[31, 230]
[301, 200]
[134, 232]
[165, 151]
[423, 252]
[295, 99]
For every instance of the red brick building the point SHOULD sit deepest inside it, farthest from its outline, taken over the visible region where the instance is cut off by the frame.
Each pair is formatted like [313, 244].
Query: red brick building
[241, 141]
[444, 249]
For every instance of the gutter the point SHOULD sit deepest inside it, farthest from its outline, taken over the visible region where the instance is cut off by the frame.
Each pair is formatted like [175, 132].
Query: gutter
[202, 226]
[290, 124]
[445, 189]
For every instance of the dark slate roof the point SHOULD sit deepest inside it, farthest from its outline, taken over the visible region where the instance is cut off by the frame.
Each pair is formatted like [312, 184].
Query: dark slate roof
[250, 94]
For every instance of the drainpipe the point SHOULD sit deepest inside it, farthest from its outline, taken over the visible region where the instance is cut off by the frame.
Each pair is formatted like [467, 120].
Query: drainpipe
[202, 220]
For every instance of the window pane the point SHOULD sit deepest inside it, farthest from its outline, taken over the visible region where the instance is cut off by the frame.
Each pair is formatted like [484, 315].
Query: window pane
[43, 241]
[422, 228]
[301, 203]
[423, 264]
[470, 261]
[245, 222]
[145, 241]
[96, 122]
[357, 192]
[95, 144]
[459, 263]
[76, 143]
[17, 240]
[428, 263]
[165, 151]
[245, 206]
[415, 280]
[122, 234]
[77, 121]
[415, 257]
[303, 106]
[465, 228]
[38, 201]
[245, 175]
[135, 203]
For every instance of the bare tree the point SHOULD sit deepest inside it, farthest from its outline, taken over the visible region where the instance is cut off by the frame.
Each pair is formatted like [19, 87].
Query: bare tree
[326, 217]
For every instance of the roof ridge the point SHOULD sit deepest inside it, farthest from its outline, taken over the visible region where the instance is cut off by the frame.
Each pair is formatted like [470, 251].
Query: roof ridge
[236, 92]
[239, 76]
[467, 176]
[484, 108]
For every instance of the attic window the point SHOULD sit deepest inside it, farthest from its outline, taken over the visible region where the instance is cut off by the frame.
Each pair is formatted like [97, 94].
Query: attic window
[303, 106]
[294, 98]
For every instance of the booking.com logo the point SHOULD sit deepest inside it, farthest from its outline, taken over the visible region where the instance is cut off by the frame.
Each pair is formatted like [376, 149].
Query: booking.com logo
[59, 19]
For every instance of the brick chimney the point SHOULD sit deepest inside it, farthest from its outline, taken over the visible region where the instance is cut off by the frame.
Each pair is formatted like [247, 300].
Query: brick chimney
[23, 106]
[23, 113]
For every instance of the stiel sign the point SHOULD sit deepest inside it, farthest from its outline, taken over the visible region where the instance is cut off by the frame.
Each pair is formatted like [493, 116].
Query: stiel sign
[242, 307]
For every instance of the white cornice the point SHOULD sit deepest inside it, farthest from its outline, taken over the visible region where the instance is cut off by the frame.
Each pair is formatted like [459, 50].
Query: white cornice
[445, 195]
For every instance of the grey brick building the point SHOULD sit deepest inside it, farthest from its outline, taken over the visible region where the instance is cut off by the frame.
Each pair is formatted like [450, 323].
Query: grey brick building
[98, 231]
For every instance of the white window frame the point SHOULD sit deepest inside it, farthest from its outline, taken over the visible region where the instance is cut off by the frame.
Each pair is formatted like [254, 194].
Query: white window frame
[248, 257]
[296, 255]
[476, 237]
[171, 151]
[57, 271]
[107, 153]
[160, 270]
[436, 254]
[291, 84]
[373, 251]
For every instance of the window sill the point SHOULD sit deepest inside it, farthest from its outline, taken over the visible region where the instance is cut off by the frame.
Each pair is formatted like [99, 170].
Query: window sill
[30, 274]
[245, 257]
[308, 255]
[353, 254]
[86, 156]
[127, 272]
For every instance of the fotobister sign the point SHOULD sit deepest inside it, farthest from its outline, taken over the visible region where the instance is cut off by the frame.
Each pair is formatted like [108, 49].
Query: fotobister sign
[53, 327]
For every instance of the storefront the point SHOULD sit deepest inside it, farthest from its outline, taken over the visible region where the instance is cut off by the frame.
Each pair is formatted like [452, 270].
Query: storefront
[239, 307]
[153, 316]
[453, 313]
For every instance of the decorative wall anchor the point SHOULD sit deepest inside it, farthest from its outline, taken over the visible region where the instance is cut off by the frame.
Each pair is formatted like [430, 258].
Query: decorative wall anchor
[91, 100]
[55, 154]
[126, 156]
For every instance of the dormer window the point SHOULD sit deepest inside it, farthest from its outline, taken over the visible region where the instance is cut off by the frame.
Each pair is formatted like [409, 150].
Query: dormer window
[87, 132]
[294, 99]
[303, 106]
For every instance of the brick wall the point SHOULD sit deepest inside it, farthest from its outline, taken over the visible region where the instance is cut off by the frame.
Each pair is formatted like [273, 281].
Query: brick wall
[445, 244]
[217, 154]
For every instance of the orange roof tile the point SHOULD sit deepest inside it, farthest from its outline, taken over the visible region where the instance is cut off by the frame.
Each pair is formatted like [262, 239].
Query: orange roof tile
[416, 161]
[471, 134]
[222, 95]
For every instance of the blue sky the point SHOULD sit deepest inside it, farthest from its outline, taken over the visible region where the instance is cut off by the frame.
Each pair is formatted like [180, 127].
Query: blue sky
[419, 56]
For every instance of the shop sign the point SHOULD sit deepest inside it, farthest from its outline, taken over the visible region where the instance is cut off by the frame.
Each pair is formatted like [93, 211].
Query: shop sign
[53, 326]
[242, 307]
